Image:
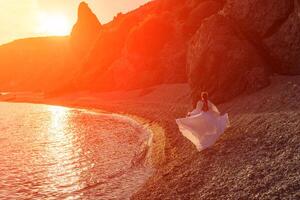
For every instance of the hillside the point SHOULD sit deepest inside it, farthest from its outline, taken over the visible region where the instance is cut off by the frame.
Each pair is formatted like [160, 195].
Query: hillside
[223, 47]
[144, 47]
[31, 64]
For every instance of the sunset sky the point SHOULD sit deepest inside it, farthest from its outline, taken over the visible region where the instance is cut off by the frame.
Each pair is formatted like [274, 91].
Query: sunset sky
[28, 18]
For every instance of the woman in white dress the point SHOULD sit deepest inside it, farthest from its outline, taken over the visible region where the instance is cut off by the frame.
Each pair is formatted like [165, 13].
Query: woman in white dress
[204, 125]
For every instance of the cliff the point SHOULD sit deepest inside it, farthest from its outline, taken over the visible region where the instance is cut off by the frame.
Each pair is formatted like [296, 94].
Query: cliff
[145, 47]
[223, 47]
[237, 49]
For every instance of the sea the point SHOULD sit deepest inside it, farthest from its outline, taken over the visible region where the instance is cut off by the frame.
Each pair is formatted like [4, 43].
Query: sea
[53, 152]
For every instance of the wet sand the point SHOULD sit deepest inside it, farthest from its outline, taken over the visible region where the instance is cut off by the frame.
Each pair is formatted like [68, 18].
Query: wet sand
[258, 157]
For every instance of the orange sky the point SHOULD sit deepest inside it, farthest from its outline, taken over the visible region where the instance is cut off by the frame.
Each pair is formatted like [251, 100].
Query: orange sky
[29, 18]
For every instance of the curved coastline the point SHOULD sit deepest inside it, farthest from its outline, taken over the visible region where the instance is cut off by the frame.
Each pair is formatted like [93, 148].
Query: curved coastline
[154, 143]
[155, 108]
[151, 153]
[248, 157]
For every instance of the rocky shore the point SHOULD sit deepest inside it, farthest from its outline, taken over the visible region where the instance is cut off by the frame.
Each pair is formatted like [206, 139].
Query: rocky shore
[257, 158]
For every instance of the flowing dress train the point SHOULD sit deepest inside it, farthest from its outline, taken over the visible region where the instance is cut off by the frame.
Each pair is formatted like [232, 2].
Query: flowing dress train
[203, 128]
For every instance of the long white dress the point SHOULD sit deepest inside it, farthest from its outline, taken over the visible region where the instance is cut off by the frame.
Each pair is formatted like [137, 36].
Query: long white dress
[203, 128]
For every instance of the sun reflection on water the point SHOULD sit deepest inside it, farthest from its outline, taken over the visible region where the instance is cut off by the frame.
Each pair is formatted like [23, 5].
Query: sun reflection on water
[59, 117]
[51, 152]
[61, 149]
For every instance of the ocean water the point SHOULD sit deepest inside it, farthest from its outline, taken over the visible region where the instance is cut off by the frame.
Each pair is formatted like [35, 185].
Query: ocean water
[50, 152]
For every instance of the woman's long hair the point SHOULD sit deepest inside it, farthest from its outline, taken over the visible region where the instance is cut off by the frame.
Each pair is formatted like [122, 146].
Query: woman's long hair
[204, 98]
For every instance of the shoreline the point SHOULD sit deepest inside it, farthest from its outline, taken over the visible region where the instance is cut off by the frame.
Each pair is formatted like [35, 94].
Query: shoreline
[107, 102]
[149, 156]
[155, 142]
[246, 162]
[138, 161]
[157, 154]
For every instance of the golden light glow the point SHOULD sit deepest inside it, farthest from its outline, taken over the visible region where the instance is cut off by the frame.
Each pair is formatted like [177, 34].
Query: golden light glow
[53, 24]
[62, 151]
[59, 117]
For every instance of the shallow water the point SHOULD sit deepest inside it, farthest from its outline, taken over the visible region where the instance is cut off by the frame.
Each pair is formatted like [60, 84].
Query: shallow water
[56, 152]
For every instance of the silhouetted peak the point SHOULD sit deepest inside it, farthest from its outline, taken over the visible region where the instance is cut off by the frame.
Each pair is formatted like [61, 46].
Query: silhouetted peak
[85, 14]
[86, 29]
[83, 5]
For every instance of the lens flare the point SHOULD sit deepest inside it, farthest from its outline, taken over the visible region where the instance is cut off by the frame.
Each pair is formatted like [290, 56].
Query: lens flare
[53, 24]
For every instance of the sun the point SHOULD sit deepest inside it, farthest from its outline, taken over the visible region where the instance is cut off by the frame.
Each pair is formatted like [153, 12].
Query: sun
[53, 24]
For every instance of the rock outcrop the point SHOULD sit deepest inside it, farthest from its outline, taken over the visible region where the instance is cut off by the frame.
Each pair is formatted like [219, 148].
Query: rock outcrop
[86, 30]
[223, 62]
[145, 47]
[236, 49]
[258, 17]
[275, 25]
[197, 14]
[284, 43]
[128, 52]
